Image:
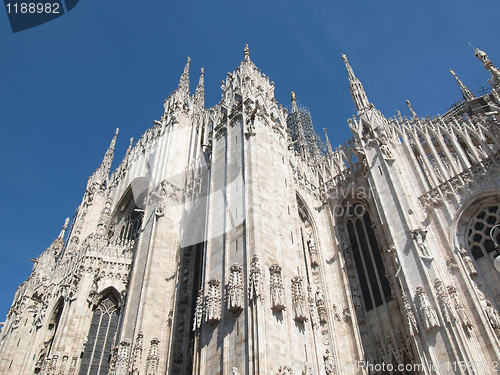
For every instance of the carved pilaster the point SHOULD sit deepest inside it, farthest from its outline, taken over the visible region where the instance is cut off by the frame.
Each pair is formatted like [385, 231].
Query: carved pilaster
[213, 307]
[460, 308]
[427, 311]
[313, 313]
[298, 300]
[410, 317]
[235, 289]
[137, 353]
[255, 282]
[444, 302]
[72, 366]
[153, 357]
[122, 358]
[276, 288]
[198, 311]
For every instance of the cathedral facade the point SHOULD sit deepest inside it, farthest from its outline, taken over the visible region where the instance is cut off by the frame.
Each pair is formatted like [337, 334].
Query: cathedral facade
[232, 240]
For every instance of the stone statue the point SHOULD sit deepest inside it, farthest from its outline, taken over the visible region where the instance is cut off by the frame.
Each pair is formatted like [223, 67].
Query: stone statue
[329, 362]
[419, 236]
[493, 317]
[469, 266]
[313, 254]
[358, 304]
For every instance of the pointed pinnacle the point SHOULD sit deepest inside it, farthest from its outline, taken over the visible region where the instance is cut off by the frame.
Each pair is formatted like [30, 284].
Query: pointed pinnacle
[466, 93]
[328, 145]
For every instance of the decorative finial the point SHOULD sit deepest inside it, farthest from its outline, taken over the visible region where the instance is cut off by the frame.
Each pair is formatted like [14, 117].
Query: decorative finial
[246, 53]
[293, 97]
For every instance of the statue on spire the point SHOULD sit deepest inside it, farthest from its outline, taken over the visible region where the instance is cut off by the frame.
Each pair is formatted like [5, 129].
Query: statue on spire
[357, 91]
[246, 53]
[488, 64]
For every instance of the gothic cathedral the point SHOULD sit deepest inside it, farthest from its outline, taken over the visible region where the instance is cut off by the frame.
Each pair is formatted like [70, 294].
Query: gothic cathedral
[233, 240]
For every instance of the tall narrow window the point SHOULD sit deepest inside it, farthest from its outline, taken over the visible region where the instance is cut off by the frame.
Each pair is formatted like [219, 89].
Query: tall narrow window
[95, 358]
[368, 260]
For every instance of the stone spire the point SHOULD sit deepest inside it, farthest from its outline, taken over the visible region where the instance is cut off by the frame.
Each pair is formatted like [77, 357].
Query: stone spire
[357, 91]
[184, 80]
[199, 95]
[302, 139]
[466, 93]
[108, 156]
[328, 145]
[246, 54]
[413, 113]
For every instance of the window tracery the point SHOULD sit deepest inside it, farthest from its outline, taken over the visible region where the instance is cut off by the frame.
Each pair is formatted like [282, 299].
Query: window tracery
[478, 233]
[96, 355]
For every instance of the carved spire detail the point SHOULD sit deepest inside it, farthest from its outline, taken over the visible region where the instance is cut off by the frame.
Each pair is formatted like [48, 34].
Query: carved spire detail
[108, 156]
[328, 144]
[466, 93]
[199, 95]
[357, 91]
[184, 80]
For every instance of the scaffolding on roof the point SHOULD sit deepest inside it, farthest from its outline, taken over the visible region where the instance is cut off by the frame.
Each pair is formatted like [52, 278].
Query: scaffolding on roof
[305, 140]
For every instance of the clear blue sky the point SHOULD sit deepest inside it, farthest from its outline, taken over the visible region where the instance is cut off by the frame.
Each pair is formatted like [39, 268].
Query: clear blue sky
[66, 85]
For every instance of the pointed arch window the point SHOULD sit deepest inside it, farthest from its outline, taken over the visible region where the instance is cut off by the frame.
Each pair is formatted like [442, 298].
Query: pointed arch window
[369, 265]
[96, 355]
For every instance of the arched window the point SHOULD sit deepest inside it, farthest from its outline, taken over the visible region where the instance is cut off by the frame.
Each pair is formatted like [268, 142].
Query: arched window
[478, 233]
[96, 356]
[369, 265]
